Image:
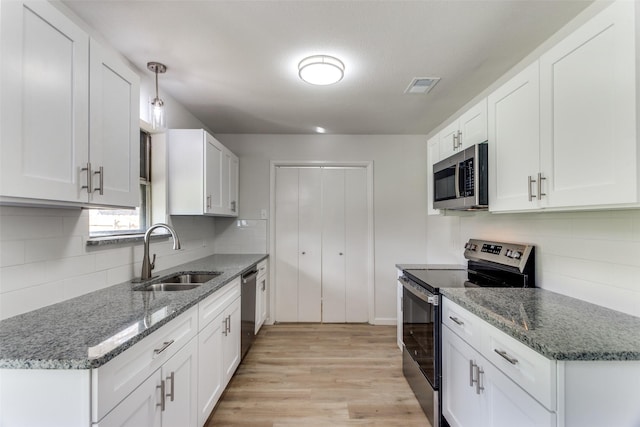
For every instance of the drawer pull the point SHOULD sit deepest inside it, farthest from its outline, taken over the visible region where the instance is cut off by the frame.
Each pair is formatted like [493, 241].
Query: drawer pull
[457, 321]
[165, 346]
[506, 357]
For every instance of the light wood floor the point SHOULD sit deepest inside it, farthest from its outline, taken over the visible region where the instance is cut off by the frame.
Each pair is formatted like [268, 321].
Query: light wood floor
[320, 375]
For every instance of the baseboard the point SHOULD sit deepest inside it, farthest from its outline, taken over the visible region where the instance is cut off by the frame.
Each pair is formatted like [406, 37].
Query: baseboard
[385, 321]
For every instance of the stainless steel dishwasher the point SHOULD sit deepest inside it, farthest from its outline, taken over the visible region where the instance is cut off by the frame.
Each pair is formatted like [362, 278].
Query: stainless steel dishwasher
[248, 310]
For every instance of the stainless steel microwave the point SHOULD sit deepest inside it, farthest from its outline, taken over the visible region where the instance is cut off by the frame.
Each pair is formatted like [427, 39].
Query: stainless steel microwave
[460, 182]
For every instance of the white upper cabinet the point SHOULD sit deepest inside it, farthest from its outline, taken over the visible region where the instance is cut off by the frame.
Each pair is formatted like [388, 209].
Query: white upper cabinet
[514, 141]
[45, 94]
[469, 129]
[53, 150]
[562, 132]
[114, 140]
[588, 114]
[203, 175]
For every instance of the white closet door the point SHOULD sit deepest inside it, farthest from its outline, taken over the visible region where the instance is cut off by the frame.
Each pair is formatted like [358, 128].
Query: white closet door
[356, 245]
[309, 245]
[286, 244]
[333, 246]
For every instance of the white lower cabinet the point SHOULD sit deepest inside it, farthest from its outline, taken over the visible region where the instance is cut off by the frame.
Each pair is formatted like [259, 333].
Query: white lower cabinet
[261, 294]
[167, 398]
[218, 346]
[476, 393]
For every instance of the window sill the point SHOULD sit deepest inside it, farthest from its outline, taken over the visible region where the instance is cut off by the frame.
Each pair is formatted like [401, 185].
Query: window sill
[122, 239]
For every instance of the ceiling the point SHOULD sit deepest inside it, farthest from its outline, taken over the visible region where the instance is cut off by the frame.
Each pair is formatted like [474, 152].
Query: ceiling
[233, 63]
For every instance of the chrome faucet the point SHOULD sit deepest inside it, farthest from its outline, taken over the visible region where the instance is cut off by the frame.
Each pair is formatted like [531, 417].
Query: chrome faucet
[148, 265]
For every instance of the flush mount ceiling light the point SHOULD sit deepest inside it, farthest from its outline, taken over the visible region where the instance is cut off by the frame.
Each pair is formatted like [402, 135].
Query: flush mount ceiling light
[321, 70]
[158, 120]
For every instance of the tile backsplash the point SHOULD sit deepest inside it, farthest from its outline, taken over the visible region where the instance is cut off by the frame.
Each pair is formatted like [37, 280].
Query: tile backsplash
[241, 236]
[44, 258]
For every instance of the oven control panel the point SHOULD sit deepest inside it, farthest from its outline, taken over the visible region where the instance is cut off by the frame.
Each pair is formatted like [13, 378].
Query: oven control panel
[509, 254]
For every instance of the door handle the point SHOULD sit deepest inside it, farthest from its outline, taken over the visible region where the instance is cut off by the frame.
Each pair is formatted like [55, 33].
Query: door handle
[173, 380]
[540, 193]
[530, 194]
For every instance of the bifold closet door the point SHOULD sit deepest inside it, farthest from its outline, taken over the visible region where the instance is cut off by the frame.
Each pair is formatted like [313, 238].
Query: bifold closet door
[344, 245]
[298, 244]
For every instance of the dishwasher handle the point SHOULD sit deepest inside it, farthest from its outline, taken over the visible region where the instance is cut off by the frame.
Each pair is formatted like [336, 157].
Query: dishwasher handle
[249, 277]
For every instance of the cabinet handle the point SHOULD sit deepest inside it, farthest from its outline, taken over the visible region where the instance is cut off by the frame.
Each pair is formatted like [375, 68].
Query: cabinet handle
[89, 186]
[224, 330]
[506, 357]
[454, 142]
[162, 397]
[209, 202]
[472, 368]
[229, 323]
[531, 181]
[540, 193]
[233, 206]
[172, 378]
[264, 285]
[459, 139]
[479, 386]
[165, 346]
[457, 321]
[100, 188]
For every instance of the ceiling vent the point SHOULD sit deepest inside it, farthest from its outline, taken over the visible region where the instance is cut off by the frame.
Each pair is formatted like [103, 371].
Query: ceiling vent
[421, 85]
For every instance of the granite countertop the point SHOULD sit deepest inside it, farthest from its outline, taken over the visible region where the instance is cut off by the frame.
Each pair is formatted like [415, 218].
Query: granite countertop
[557, 326]
[88, 331]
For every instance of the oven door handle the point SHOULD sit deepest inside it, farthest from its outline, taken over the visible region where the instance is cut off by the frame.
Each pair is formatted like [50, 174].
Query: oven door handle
[425, 295]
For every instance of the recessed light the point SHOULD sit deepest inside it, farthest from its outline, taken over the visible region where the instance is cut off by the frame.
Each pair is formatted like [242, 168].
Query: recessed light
[320, 130]
[321, 70]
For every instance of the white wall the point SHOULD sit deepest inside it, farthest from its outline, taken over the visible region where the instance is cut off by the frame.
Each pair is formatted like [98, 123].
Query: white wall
[399, 191]
[593, 256]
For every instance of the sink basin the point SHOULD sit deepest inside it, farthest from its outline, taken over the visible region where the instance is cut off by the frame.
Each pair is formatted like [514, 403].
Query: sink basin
[190, 277]
[180, 282]
[170, 287]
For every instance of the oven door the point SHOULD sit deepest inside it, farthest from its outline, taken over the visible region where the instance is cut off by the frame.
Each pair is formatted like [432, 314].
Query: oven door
[420, 329]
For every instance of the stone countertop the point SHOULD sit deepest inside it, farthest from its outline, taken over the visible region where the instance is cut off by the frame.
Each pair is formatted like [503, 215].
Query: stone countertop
[557, 326]
[88, 331]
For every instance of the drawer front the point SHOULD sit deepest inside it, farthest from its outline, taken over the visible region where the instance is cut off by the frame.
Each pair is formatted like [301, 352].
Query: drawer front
[529, 369]
[465, 324]
[212, 306]
[263, 267]
[116, 379]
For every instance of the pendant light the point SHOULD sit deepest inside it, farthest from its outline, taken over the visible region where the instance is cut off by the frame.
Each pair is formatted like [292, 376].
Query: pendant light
[158, 120]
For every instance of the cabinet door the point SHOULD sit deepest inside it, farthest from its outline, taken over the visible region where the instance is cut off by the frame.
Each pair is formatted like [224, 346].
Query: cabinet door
[234, 174]
[449, 140]
[213, 176]
[210, 374]
[45, 94]
[114, 136]
[514, 141]
[140, 409]
[473, 125]
[180, 374]
[588, 140]
[433, 156]
[231, 341]
[261, 301]
[461, 405]
[507, 405]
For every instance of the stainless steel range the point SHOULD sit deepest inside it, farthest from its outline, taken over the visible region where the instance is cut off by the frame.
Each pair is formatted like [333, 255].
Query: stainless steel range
[489, 264]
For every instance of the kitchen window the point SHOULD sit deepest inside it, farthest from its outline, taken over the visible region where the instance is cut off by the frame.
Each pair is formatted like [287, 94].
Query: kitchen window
[119, 222]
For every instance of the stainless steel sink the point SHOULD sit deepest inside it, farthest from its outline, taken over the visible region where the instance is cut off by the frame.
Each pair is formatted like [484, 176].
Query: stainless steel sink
[179, 282]
[190, 277]
[170, 287]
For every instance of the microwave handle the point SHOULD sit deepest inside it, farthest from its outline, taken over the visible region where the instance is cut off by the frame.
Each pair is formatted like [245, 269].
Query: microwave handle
[457, 180]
